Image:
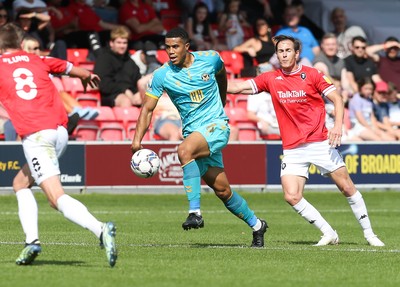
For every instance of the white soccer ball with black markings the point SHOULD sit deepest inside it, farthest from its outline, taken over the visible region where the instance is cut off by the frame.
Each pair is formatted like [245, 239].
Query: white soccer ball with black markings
[145, 163]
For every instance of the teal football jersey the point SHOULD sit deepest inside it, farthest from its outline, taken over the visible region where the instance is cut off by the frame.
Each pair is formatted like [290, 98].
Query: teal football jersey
[194, 90]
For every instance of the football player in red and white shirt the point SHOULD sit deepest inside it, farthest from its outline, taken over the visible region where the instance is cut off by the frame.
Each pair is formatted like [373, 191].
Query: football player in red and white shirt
[297, 93]
[39, 117]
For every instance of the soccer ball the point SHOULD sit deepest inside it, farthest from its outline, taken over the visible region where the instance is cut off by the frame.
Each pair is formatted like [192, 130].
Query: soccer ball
[145, 163]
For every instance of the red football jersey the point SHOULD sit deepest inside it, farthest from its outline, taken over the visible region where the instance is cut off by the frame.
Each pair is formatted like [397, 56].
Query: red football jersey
[28, 94]
[144, 13]
[298, 102]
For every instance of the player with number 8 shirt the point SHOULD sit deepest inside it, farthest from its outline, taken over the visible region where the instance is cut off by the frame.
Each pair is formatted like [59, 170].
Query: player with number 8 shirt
[39, 117]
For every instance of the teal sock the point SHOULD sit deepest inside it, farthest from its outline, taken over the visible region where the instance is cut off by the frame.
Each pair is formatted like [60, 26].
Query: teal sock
[238, 206]
[192, 184]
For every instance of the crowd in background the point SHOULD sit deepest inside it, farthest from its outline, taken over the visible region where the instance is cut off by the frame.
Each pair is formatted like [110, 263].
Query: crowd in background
[122, 38]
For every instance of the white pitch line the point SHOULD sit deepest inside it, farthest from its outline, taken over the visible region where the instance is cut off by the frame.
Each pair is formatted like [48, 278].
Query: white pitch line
[207, 211]
[187, 246]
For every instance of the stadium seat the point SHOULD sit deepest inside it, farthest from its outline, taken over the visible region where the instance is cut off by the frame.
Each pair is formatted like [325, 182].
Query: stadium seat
[247, 131]
[77, 55]
[130, 114]
[236, 115]
[241, 101]
[86, 131]
[270, 137]
[89, 99]
[88, 65]
[131, 129]
[110, 129]
[74, 85]
[230, 100]
[234, 63]
[162, 56]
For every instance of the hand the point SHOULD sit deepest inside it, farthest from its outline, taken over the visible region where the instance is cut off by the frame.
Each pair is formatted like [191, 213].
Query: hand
[335, 137]
[93, 82]
[135, 147]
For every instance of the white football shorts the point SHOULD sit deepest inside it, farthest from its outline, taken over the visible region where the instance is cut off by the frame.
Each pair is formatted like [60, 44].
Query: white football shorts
[298, 160]
[42, 150]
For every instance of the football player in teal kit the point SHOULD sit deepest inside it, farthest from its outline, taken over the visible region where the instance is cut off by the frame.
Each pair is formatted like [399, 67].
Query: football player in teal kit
[196, 83]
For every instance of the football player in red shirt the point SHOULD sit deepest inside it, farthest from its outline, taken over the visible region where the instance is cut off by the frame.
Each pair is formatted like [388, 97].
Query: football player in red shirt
[39, 117]
[297, 93]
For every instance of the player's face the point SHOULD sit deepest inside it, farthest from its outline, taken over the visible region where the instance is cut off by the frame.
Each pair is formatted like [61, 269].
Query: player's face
[287, 56]
[119, 46]
[177, 50]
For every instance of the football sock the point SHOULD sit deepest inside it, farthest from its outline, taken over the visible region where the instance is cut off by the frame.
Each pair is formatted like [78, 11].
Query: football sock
[359, 209]
[312, 215]
[28, 214]
[192, 185]
[76, 212]
[238, 206]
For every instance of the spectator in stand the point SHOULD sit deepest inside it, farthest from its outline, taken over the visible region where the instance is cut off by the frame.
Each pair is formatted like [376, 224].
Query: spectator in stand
[142, 20]
[310, 46]
[6, 126]
[118, 72]
[306, 22]
[394, 106]
[232, 23]
[92, 31]
[384, 108]
[200, 31]
[103, 9]
[329, 63]
[254, 9]
[62, 20]
[389, 63]
[363, 121]
[3, 16]
[215, 8]
[167, 122]
[344, 33]
[33, 23]
[259, 48]
[359, 65]
[261, 111]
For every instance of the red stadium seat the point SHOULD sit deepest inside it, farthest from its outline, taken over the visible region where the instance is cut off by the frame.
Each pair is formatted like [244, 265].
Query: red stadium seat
[74, 85]
[162, 56]
[247, 131]
[110, 128]
[86, 131]
[131, 129]
[130, 114]
[236, 115]
[270, 137]
[241, 101]
[234, 62]
[87, 65]
[90, 99]
[77, 55]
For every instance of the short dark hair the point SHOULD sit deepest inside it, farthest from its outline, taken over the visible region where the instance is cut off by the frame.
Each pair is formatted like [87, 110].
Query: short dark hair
[178, 32]
[10, 37]
[358, 38]
[280, 38]
[391, 38]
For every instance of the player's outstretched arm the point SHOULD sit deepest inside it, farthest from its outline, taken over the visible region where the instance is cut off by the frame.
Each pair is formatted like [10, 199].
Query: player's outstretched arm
[86, 77]
[239, 87]
[335, 134]
[143, 123]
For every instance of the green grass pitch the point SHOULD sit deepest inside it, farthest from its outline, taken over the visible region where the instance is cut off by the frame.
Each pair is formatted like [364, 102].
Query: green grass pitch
[155, 251]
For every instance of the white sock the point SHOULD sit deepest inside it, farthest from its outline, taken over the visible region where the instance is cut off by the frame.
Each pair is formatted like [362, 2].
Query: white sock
[359, 209]
[75, 211]
[28, 214]
[312, 215]
[257, 226]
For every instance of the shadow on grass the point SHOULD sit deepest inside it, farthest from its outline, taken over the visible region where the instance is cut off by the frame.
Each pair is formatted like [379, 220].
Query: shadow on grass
[58, 263]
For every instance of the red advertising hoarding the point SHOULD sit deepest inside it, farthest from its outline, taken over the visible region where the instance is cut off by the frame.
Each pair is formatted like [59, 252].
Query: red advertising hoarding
[108, 165]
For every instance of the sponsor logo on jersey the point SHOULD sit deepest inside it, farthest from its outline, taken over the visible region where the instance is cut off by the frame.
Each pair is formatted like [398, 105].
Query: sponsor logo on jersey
[291, 94]
[327, 79]
[205, 77]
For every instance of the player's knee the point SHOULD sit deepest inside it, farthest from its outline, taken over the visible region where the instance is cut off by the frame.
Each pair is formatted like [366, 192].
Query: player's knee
[184, 154]
[292, 198]
[20, 183]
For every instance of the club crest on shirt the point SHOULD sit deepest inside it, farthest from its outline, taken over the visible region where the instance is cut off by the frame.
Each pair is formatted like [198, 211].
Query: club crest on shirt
[303, 76]
[205, 77]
